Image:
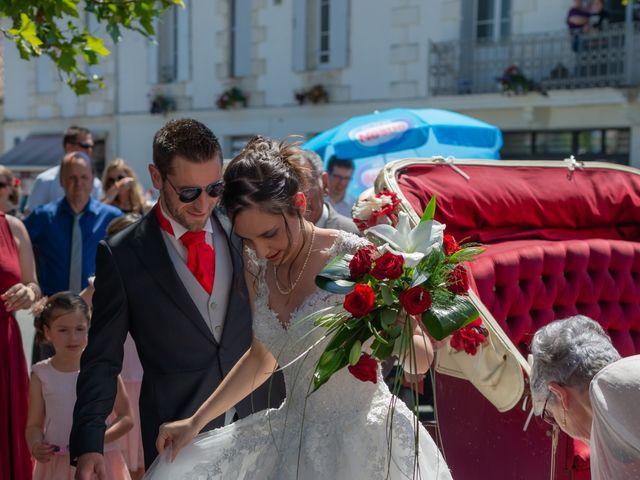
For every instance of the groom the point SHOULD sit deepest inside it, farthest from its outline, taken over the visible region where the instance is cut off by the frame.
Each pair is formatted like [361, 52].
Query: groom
[175, 281]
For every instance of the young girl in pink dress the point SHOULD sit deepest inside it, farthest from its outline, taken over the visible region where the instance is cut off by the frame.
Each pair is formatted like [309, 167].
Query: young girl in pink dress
[64, 322]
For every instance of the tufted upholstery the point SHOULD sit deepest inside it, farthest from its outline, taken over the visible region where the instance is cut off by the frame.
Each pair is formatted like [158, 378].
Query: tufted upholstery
[528, 283]
[556, 245]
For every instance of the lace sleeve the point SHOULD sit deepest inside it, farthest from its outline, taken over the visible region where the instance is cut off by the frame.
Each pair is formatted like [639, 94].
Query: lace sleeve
[349, 243]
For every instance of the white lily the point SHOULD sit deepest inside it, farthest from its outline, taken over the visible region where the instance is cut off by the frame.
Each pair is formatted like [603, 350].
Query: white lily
[413, 244]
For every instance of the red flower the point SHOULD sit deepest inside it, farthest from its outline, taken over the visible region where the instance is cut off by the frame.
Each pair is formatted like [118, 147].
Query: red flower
[16, 182]
[450, 245]
[469, 337]
[361, 262]
[366, 370]
[415, 300]
[388, 266]
[458, 280]
[360, 301]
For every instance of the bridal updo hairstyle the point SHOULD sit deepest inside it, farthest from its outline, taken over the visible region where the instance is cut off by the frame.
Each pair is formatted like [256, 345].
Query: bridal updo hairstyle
[264, 175]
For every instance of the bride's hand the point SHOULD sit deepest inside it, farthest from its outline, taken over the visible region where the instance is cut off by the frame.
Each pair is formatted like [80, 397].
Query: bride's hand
[175, 435]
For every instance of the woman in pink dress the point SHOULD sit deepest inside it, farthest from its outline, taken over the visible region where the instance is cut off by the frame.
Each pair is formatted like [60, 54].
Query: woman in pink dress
[64, 322]
[18, 290]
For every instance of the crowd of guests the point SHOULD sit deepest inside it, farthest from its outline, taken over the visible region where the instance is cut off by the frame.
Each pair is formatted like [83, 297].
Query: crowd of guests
[67, 213]
[578, 381]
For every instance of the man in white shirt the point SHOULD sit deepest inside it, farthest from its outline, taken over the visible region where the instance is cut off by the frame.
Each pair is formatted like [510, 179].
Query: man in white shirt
[340, 173]
[46, 187]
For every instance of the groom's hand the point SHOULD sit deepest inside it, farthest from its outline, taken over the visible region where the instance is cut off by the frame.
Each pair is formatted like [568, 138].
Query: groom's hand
[91, 467]
[175, 435]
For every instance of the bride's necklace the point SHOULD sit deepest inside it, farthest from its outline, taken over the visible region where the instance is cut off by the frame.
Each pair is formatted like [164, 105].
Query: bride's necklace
[287, 291]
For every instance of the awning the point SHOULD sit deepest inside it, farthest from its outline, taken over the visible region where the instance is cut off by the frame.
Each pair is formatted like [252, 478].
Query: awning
[34, 153]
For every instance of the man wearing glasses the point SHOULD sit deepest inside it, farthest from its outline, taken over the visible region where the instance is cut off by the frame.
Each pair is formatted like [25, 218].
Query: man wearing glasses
[175, 281]
[46, 187]
[340, 172]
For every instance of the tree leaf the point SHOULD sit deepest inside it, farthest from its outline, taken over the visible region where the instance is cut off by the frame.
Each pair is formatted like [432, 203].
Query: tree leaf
[443, 321]
[430, 211]
[95, 45]
[29, 33]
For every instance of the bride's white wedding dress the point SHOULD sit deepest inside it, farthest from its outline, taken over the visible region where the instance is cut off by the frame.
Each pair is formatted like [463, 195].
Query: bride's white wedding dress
[341, 431]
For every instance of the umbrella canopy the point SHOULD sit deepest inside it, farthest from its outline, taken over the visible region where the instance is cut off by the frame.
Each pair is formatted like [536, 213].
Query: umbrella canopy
[380, 137]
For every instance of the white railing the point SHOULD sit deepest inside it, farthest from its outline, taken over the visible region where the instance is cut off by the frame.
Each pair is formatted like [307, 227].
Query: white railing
[609, 58]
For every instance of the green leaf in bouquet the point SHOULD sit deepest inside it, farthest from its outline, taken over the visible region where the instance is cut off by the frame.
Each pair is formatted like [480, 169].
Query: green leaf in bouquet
[394, 331]
[354, 353]
[387, 294]
[336, 269]
[375, 333]
[381, 351]
[465, 254]
[388, 317]
[430, 211]
[442, 321]
[419, 277]
[330, 362]
[340, 287]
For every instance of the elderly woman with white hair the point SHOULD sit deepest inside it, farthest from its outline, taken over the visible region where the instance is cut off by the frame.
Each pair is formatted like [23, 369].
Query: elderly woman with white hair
[580, 384]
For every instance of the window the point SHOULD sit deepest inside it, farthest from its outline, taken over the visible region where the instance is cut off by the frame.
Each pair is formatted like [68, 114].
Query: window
[324, 30]
[169, 56]
[240, 38]
[609, 145]
[320, 34]
[494, 20]
[168, 47]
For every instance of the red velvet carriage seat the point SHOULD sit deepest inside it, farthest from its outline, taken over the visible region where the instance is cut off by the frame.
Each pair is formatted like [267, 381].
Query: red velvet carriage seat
[559, 242]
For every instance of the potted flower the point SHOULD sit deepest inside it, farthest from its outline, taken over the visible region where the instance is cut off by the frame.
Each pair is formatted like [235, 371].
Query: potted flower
[316, 94]
[232, 97]
[161, 104]
[513, 81]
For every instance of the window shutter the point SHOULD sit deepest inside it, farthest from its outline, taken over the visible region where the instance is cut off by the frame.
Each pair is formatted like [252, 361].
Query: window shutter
[94, 28]
[338, 33]
[152, 55]
[44, 75]
[183, 43]
[299, 47]
[241, 38]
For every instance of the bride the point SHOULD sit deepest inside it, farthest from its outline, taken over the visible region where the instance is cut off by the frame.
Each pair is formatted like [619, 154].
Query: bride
[347, 428]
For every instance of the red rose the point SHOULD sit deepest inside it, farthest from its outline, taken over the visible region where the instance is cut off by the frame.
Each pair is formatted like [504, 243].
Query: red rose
[415, 300]
[360, 301]
[450, 245]
[361, 262]
[366, 370]
[469, 337]
[388, 266]
[458, 280]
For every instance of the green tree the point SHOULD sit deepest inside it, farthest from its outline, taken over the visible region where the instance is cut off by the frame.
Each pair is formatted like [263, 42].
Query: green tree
[54, 28]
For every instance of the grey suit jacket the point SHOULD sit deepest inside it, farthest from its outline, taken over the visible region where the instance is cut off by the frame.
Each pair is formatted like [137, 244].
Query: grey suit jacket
[338, 221]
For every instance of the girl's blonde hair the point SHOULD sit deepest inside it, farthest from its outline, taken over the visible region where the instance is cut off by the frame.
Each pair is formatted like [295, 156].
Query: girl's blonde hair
[136, 194]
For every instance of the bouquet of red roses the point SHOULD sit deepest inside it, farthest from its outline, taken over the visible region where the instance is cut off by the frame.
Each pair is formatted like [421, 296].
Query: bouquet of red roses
[413, 273]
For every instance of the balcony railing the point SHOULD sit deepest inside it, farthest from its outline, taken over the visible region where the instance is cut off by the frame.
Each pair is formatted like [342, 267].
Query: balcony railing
[609, 58]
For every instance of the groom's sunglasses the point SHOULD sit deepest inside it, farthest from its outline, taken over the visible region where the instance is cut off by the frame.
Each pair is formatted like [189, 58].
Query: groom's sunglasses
[191, 194]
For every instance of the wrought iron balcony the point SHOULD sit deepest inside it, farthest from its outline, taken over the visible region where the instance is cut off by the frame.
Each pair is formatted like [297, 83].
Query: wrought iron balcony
[544, 61]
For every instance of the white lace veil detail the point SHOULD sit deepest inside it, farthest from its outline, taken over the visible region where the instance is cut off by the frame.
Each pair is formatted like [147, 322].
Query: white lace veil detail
[615, 432]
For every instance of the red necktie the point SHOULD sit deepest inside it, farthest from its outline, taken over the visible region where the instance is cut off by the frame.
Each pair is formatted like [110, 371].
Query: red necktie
[201, 259]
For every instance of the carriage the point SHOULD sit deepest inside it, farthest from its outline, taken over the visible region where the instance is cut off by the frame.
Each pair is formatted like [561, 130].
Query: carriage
[561, 238]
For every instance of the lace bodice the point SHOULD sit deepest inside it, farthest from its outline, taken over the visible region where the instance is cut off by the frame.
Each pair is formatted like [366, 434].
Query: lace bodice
[287, 344]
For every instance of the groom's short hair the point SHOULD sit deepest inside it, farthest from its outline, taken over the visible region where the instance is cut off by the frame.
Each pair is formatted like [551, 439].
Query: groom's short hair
[187, 138]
